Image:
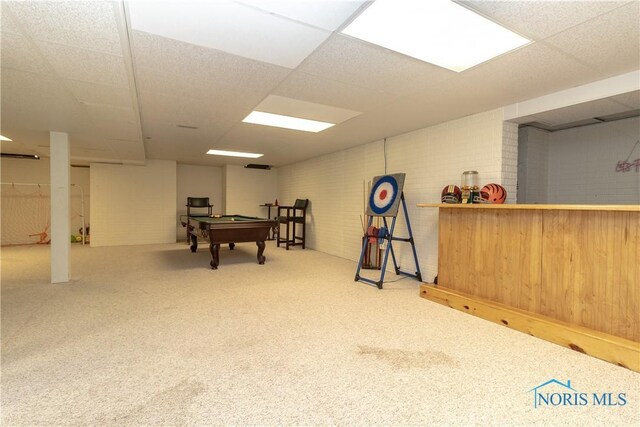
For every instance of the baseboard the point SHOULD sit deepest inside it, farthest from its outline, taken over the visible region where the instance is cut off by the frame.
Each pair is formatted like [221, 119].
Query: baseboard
[621, 351]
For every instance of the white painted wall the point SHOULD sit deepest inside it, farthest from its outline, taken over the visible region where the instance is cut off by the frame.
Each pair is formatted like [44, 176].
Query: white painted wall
[533, 165]
[246, 189]
[25, 210]
[197, 181]
[582, 164]
[579, 165]
[133, 205]
[431, 158]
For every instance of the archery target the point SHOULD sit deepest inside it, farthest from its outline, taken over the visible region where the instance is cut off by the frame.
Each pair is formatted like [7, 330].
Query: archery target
[385, 195]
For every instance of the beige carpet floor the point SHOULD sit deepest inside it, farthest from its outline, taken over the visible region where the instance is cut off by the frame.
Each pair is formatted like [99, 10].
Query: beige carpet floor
[149, 335]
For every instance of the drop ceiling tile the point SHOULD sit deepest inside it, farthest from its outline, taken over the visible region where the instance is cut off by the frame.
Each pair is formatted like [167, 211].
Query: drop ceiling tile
[229, 27]
[82, 24]
[7, 23]
[225, 99]
[304, 109]
[540, 19]
[525, 73]
[321, 90]
[191, 112]
[610, 42]
[19, 85]
[92, 93]
[164, 133]
[201, 65]
[85, 65]
[107, 113]
[328, 15]
[117, 130]
[19, 54]
[357, 63]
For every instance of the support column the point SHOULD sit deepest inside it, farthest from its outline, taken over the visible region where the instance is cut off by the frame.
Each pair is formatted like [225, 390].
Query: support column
[60, 206]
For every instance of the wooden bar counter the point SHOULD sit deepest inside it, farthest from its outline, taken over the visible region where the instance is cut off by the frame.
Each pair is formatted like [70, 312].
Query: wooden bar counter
[566, 273]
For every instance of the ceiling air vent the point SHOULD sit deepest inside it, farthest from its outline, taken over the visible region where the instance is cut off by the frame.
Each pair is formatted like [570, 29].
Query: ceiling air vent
[257, 166]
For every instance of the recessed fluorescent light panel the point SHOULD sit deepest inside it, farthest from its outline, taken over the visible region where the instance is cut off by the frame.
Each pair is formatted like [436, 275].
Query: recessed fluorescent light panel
[287, 122]
[440, 32]
[233, 154]
[4, 138]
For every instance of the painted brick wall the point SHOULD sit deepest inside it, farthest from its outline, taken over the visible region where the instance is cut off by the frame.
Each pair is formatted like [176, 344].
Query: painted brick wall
[533, 165]
[431, 158]
[197, 181]
[133, 205]
[509, 179]
[582, 164]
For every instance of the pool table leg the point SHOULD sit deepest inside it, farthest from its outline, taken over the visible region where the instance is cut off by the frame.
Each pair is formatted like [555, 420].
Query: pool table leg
[215, 255]
[261, 257]
[194, 242]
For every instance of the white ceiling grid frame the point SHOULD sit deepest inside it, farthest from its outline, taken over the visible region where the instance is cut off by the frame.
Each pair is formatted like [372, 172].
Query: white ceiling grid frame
[230, 27]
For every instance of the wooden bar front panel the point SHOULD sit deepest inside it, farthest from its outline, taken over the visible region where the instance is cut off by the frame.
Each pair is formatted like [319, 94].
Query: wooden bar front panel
[577, 266]
[591, 270]
[494, 254]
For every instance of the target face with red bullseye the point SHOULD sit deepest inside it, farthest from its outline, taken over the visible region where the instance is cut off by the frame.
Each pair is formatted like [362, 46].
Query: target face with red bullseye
[384, 197]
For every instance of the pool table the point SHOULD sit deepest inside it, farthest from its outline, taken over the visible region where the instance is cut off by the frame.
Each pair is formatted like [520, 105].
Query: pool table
[229, 229]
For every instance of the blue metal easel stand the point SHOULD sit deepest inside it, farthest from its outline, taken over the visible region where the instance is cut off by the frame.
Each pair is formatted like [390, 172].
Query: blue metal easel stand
[389, 238]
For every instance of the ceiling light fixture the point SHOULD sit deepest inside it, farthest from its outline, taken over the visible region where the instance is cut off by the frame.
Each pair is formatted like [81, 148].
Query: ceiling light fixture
[440, 32]
[287, 122]
[233, 154]
[4, 138]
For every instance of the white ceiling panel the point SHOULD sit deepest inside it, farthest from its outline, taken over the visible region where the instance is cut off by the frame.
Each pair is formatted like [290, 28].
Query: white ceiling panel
[540, 19]
[19, 54]
[531, 71]
[92, 93]
[85, 65]
[608, 42]
[307, 110]
[229, 27]
[116, 130]
[101, 112]
[85, 24]
[330, 92]
[220, 100]
[328, 15]
[22, 86]
[7, 23]
[190, 112]
[162, 131]
[357, 63]
[186, 62]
